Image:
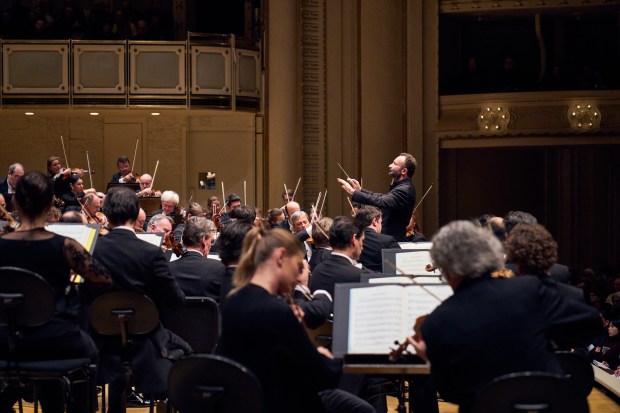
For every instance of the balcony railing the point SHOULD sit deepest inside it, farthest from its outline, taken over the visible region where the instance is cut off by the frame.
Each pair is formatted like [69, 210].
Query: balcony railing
[206, 71]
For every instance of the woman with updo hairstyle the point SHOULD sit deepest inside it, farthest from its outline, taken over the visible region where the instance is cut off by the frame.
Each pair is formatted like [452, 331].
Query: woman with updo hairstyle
[262, 331]
[51, 256]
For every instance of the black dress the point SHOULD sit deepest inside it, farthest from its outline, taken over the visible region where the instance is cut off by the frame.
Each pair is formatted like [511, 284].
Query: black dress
[261, 332]
[51, 256]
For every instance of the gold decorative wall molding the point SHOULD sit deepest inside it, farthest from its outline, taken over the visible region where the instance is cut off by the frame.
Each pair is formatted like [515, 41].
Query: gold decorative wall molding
[529, 114]
[480, 6]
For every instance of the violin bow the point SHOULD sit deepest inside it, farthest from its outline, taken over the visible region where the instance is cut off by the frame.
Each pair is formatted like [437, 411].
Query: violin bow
[295, 191]
[245, 195]
[398, 270]
[90, 174]
[135, 152]
[62, 141]
[423, 196]
[323, 202]
[351, 205]
[154, 175]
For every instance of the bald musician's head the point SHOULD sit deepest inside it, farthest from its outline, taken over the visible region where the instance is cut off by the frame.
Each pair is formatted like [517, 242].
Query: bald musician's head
[145, 181]
[139, 224]
[291, 208]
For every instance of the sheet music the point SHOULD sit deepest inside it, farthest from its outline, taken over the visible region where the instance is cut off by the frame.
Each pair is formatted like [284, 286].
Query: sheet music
[414, 262]
[375, 319]
[390, 280]
[83, 233]
[154, 238]
[415, 245]
[419, 303]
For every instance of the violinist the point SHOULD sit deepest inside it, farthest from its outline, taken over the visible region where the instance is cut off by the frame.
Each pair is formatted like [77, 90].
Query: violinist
[169, 204]
[60, 176]
[160, 223]
[146, 189]
[8, 184]
[91, 205]
[232, 201]
[194, 209]
[71, 199]
[213, 206]
[4, 219]
[374, 241]
[138, 225]
[289, 209]
[125, 172]
[293, 373]
[492, 327]
[196, 274]
[73, 217]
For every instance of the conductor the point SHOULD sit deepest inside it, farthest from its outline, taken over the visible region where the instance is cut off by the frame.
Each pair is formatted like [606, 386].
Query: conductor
[397, 205]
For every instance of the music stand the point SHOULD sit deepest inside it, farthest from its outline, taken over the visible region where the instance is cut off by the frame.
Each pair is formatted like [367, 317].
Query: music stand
[133, 186]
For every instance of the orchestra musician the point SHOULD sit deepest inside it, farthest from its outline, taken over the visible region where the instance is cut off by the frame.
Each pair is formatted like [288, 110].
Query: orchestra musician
[160, 223]
[374, 240]
[230, 248]
[194, 209]
[91, 204]
[8, 184]
[320, 237]
[138, 267]
[287, 196]
[196, 274]
[294, 375]
[60, 176]
[317, 307]
[125, 172]
[138, 225]
[213, 206]
[3, 216]
[397, 205]
[289, 209]
[72, 199]
[232, 201]
[346, 237]
[146, 189]
[73, 217]
[491, 327]
[52, 257]
[169, 203]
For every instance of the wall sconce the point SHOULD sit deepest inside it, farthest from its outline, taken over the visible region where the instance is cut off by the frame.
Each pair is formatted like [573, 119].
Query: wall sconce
[584, 116]
[493, 119]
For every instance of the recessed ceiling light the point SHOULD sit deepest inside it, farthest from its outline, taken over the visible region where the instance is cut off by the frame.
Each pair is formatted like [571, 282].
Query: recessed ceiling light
[29, 113]
[155, 113]
[94, 113]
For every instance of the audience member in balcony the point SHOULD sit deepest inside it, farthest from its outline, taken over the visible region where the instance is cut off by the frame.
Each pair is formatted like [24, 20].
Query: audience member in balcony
[131, 14]
[509, 79]
[472, 79]
[7, 26]
[78, 32]
[122, 27]
[97, 18]
[40, 31]
[43, 9]
[556, 80]
[69, 18]
[143, 32]
[160, 22]
[607, 351]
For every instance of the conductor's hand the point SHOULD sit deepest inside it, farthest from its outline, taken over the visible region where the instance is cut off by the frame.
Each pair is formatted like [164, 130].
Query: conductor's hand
[325, 352]
[420, 347]
[346, 186]
[356, 185]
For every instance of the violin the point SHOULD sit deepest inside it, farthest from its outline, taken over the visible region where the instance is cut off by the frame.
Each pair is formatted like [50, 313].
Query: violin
[171, 244]
[66, 173]
[401, 348]
[11, 223]
[58, 202]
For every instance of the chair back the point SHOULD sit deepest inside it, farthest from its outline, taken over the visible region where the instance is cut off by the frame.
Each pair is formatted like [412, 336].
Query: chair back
[197, 322]
[27, 296]
[578, 370]
[206, 383]
[122, 312]
[531, 392]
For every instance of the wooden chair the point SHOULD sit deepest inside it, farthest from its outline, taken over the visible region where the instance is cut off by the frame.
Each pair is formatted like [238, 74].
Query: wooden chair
[27, 300]
[206, 383]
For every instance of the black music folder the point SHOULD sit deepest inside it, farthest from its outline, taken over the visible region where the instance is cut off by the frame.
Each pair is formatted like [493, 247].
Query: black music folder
[134, 186]
[368, 318]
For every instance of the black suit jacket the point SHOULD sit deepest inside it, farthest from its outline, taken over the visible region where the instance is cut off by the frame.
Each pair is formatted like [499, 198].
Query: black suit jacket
[396, 207]
[318, 256]
[227, 284]
[198, 275]
[491, 327]
[559, 272]
[371, 257]
[317, 309]
[138, 267]
[116, 178]
[4, 186]
[335, 269]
